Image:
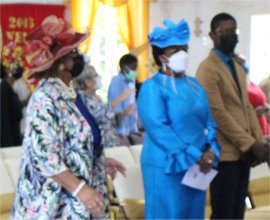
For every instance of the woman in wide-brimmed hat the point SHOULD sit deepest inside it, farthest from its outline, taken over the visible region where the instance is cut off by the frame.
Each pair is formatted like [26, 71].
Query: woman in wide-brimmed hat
[62, 172]
[180, 131]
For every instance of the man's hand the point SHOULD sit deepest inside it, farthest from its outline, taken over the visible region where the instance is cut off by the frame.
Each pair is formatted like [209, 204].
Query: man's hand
[262, 110]
[260, 151]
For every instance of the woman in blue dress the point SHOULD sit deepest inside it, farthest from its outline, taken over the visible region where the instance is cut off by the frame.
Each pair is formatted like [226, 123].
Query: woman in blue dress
[180, 131]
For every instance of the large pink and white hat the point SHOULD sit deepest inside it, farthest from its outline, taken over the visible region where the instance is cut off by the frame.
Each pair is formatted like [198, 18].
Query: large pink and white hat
[48, 42]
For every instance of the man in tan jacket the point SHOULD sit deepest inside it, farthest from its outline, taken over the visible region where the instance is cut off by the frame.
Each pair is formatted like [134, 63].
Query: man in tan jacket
[239, 134]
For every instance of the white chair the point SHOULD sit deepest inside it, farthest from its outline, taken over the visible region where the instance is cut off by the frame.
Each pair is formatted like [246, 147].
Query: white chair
[11, 152]
[1, 156]
[259, 185]
[259, 171]
[129, 190]
[130, 193]
[121, 154]
[136, 152]
[13, 167]
[9, 169]
[12, 157]
[6, 184]
[6, 192]
[131, 186]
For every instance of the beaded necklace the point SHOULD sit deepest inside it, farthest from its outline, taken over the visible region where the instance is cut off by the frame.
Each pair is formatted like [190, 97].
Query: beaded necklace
[69, 90]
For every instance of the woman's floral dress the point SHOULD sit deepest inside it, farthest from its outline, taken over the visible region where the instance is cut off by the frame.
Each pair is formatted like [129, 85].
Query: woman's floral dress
[57, 138]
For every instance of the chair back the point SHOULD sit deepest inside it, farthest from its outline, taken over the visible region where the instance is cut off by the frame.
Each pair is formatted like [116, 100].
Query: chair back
[120, 153]
[131, 186]
[136, 152]
[11, 152]
[128, 190]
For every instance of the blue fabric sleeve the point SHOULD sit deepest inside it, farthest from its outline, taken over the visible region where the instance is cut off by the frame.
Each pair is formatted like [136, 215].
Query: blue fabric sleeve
[115, 90]
[211, 127]
[152, 111]
[211, 137]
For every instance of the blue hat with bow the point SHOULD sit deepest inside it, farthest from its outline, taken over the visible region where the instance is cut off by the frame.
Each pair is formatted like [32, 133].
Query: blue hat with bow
[172, 35]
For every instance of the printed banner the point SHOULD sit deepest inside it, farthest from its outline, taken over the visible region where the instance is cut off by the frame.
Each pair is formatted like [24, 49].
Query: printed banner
[16, 21]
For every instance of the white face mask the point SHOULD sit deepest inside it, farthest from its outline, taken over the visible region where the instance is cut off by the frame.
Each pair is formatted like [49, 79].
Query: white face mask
[98, 83]
[178, 61]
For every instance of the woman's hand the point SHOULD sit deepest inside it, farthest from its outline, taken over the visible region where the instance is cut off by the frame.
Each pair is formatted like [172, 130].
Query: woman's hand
[112, 166]
[206, 161]
[130, 110]
[122, 97]
[92, 201]
[127, 93]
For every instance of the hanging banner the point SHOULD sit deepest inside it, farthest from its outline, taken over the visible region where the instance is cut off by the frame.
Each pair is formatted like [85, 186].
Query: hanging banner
[16, 21]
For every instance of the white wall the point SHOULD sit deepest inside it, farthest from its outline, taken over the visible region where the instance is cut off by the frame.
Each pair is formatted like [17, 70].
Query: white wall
[205, 9]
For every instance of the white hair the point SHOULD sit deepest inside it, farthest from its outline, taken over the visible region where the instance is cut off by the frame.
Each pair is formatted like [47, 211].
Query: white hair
[88, 73]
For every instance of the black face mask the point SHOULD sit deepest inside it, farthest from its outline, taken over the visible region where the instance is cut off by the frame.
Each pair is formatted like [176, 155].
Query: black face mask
[18, 73]
[78, 65]
[228, 43]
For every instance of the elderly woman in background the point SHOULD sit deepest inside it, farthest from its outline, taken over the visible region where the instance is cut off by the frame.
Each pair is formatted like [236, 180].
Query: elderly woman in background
[62, 172]
[180, 131]
[88, 83]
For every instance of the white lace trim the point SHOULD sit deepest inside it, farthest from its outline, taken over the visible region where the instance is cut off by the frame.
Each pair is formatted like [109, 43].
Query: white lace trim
[69, 90]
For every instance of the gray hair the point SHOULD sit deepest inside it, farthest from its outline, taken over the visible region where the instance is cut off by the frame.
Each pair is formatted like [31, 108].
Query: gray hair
[88, 72]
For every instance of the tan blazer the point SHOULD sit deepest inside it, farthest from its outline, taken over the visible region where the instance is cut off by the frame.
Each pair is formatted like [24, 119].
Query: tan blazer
[238, 126]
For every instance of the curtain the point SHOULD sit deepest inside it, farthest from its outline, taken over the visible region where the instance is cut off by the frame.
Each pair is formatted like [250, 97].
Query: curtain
[83, 14]
[133, 21]
[114, 3]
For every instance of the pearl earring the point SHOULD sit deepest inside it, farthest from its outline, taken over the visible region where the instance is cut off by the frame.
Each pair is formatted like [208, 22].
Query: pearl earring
[61, 67]
[164, 67]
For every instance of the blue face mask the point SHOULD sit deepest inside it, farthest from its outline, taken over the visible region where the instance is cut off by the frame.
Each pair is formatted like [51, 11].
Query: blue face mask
[131, 74]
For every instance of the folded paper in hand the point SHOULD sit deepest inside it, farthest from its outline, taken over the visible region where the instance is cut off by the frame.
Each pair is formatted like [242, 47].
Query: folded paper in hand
[196, 179]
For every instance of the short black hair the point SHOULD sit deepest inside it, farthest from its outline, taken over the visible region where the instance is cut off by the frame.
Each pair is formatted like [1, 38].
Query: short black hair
[127, 59]
[156, 52]
[220, 17]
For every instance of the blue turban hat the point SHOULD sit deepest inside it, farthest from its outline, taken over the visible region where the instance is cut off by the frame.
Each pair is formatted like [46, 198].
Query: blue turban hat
[173, 35]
